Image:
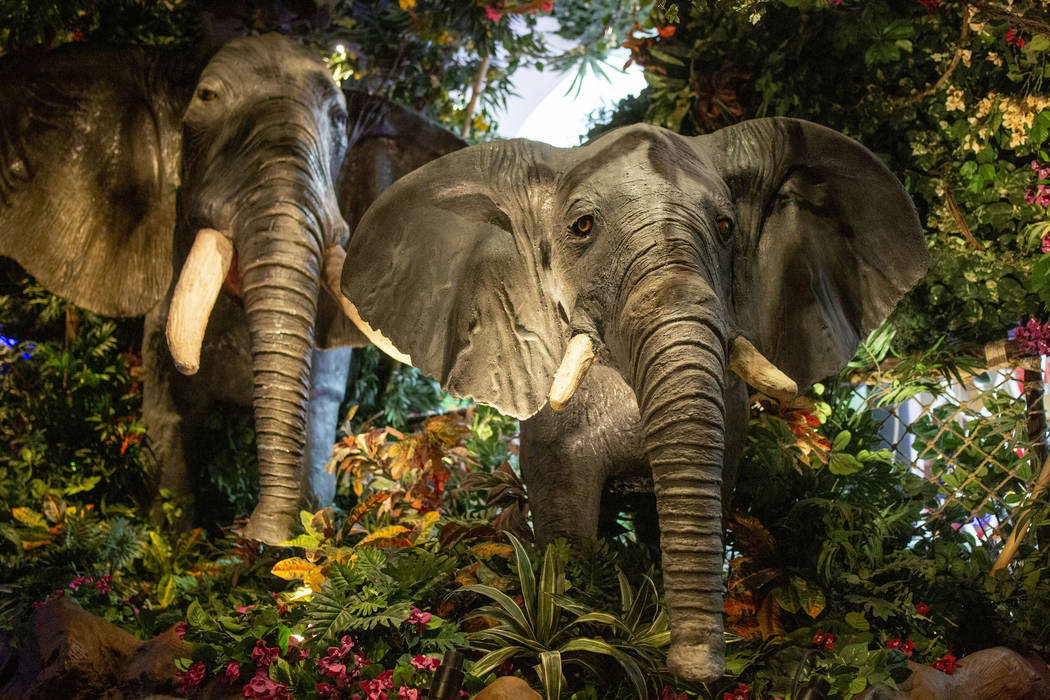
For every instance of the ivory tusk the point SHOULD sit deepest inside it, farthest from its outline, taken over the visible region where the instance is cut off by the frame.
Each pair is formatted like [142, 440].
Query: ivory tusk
[579, 355]
[756, 370]
[333, 272]
[195, 293]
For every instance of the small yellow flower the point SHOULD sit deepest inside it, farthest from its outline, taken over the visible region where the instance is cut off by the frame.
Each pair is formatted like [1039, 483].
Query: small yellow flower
[407, 5]
[479, 123]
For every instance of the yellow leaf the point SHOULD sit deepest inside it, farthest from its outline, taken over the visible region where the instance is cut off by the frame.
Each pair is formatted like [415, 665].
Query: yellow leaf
[168, 588]
[429, 518]
[293, 568]
[487, 550]
[385, 533]
[28, 516]
[406, 5]
[34, 544]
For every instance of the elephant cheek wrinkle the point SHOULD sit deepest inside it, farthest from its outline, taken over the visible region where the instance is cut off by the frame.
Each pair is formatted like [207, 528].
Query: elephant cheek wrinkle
[198, 286]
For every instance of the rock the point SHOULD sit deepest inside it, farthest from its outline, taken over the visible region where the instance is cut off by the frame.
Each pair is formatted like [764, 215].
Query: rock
[508, 688]
[990, 674]
[70, 654]
[152, 668]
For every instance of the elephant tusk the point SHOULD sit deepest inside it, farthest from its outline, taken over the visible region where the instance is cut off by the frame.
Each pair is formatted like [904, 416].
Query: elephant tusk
[756, 370]
[334, 258]
[579, 355]
[195, 293]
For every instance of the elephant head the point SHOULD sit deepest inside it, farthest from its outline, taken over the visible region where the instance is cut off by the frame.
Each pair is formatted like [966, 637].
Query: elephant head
[771, 248]
[126, 175]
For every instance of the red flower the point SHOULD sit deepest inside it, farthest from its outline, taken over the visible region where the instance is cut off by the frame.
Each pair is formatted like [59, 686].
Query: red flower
[190, 678]
[667, 31]
[930, 5]
[263, 655]
[492, 14]
[1014, 37]
[78, 35]
[233, 672]
[668, 694]
[742, 692]
[922, 609]
[375, 689]
[947, 664]
[829, 643]
[907, 647]
[180, 629]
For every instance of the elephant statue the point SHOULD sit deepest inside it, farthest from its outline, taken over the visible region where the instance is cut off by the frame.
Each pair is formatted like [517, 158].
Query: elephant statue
[206, 197]
[649, 271]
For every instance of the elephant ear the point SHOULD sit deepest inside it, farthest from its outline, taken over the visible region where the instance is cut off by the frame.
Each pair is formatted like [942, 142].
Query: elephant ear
[386, 142]
[89, 143]
[438, 267]
[827, 241]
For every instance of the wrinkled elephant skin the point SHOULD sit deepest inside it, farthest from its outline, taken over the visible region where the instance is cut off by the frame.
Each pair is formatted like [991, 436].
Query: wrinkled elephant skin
[768, 250]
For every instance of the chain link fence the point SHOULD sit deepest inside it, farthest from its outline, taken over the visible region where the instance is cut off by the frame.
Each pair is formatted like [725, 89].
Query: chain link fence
[979, 437]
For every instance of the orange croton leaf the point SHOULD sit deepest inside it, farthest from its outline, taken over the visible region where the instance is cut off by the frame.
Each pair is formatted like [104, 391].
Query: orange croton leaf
[28, 516]
[386, 533]
[293, 569]
[364, 508]
[26, 546]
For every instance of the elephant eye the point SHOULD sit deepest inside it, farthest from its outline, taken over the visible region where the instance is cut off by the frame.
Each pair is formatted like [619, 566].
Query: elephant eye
[339, 118]
[583, 225]
[725, 227]
[206, 94]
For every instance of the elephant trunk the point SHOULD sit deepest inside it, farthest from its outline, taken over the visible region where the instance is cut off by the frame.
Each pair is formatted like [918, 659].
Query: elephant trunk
[279, 258]
[670, 346]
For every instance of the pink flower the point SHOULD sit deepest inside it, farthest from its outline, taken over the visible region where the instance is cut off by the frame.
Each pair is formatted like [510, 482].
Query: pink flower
[492, 14]
[264, 688]
[233, 672]
[180, 629]
[742, 692]
[426, 663]
[327, 691]
[244, 608]
[263, 655]
[376, 689]
[930, 5]
[80, 581]
[103, 584]
[191, 677]
[418, 618]
[406, 693]
[667, 693]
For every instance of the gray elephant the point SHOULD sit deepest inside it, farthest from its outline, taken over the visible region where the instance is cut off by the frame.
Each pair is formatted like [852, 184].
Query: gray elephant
[767, 250]
[139, 182]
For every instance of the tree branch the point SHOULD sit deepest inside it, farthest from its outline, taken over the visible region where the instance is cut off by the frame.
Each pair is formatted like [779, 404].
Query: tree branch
[951, 68]
[998, 11]
[479, 83]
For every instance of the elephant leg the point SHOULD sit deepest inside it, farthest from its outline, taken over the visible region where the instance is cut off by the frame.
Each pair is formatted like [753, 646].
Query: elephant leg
[567, 456]
[328, 374]
[163, 420]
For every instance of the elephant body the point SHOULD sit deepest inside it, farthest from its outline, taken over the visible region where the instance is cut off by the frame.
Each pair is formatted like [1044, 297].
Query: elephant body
[616, 297]
[206, 196]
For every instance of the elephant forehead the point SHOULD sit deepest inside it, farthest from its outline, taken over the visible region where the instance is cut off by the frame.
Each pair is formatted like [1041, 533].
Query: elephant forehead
[271, 58]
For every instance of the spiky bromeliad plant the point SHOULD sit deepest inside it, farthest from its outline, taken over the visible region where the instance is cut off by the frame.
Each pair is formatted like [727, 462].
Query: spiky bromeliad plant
[549, 627]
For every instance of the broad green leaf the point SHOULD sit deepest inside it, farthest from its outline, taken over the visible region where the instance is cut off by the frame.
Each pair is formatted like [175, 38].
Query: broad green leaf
[857, 621]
